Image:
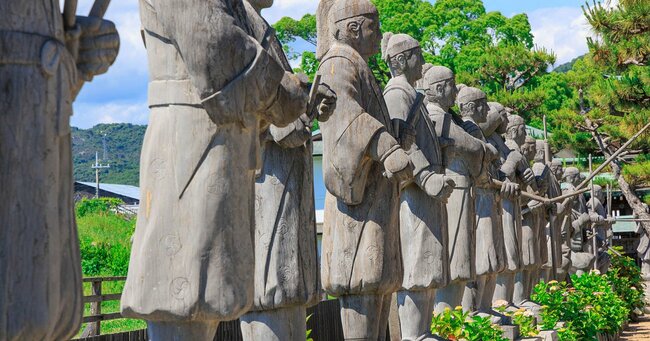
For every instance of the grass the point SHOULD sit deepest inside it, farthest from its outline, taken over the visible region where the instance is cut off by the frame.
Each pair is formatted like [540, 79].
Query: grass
[105, 240]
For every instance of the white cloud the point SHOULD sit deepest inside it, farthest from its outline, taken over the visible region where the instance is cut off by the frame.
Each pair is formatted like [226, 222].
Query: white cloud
[564, 30]
[89, 114]
[289, 8]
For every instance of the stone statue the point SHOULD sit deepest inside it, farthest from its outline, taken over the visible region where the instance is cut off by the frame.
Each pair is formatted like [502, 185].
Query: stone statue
[423, 214]
[643, 252]
[551, 241]
[463, 157]
[581, 259]
[363, 166]
[533, 222]
[44, 62]
[490, 249]
[286, 265]
[603, 229]
[514, 168]
[192, 261]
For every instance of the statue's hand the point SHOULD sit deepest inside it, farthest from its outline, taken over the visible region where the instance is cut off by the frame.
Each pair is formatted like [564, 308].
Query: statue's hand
[96, 47]
[327, 102]
[398, 166]
[595, 217]
[439, 187]
[510, 190]
[528, 176]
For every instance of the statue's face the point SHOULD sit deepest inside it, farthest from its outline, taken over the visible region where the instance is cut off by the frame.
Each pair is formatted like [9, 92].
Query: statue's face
[481, 109]
[557, 170]
[517, 134]
[414, 64]
[369, 36]
[529, 150]
[443, 92]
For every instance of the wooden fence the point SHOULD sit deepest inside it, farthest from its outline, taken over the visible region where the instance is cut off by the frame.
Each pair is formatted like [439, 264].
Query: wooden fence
[325, 320]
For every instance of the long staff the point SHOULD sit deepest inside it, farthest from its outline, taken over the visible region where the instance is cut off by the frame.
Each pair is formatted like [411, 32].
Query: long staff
[593, 225]
[551, 220]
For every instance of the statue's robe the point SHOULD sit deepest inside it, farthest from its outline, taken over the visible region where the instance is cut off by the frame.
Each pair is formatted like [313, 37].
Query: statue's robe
[40, 269]
[552, 240]
[361, 246]
[210, 83]
[423, 219]
[603, 229]
[510, 209]
[581, 259]
[286, 263]
[490, 247]
[463, 161]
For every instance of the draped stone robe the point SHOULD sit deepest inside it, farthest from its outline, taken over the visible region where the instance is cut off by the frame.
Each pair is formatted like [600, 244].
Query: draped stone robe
[462, 157]
[210, 81]
[360, 248]
[286, 264]
[423, 220]
[40, 270]
[581, 258]
[490, 247]
[554, 221]
[511, 209]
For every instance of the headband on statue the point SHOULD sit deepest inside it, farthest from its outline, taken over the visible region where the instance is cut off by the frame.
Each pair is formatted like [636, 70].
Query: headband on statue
[346, 9]
[437, 73]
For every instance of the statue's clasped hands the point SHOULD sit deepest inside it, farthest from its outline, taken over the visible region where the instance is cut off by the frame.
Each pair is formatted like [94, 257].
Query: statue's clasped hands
[94, 44]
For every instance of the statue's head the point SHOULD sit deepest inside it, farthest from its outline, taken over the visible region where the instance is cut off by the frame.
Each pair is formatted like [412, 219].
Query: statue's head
[356, 23]
[260, 4]
[516, 129]
[496, 119]
[598, 193]
[541, 151]
[572, 175]
[440, 86]
[556, 168]
[420, 84]
[542, 173]
[529, 148]
[472, 103]
[403, 55]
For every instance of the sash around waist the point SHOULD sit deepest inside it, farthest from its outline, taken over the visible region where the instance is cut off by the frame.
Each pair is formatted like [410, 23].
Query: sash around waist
[462, 181]
[172, 92]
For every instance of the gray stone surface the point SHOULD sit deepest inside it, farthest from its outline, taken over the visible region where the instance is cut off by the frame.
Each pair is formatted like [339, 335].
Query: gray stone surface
[548, 335]
[363, 165]
[43, 65]
[423, 224]
[510, 332]
[192, 261]
[581, 259]
[463, 157]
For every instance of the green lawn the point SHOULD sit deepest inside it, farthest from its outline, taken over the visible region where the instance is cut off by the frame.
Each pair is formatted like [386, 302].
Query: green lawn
[105, 241]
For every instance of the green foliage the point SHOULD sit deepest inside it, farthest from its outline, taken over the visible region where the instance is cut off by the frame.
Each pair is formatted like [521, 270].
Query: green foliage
[589, 307]
[123, 144]
[456, 325]
[308, 334]
[521, 317]
[625, 277]
[637, 173]
[101, 205]
[104, 237]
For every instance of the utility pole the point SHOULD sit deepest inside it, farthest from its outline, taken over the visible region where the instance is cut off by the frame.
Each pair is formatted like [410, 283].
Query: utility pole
[97, 166]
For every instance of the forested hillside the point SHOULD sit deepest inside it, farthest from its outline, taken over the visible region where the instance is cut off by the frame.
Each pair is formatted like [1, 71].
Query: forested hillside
[123, 144]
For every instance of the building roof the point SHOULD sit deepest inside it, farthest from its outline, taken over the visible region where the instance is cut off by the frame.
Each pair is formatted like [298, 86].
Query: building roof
[625, 226]
[123, 190]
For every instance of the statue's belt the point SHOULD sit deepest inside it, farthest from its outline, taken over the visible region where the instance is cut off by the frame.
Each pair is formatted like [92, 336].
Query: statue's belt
[462, 181]
[176, 92]
[25, 48]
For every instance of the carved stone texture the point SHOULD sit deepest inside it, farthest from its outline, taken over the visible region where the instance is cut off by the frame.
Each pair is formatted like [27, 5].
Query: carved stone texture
[581, 259]
[42, 68]
[423, 213]
[201, 149]
[361, 260]
[603, 229]
[286, 265]
[463, 158]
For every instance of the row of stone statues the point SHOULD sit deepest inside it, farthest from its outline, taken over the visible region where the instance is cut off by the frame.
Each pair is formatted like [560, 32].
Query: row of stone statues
[422, 202]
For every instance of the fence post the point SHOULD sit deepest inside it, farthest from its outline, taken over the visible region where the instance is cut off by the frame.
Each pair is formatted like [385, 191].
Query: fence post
[96, 309]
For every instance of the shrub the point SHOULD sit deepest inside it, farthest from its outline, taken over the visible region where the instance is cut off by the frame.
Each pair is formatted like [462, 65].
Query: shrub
[96, 205]
[456, 324]
[625, 277]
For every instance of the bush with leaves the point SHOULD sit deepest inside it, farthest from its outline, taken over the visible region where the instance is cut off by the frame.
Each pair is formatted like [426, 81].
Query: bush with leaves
[96, 205]
[625, 277]
[458, 325]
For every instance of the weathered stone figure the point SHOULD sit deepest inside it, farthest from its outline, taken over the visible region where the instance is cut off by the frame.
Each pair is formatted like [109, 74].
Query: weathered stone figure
[581, 259]
[515, 137]
[463, 157]
[603, 228]
[192, 262]
[514, 168]
[363, 166]
[286, 265]
[490, 250]
[423, 214]
[42, 68]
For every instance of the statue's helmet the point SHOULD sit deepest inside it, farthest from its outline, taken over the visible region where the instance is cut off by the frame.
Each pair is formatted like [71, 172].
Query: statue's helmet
[436, 74]
[394, 44]
[469, 94]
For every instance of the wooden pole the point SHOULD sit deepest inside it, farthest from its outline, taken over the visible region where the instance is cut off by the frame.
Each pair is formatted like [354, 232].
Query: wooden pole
[99, 8]
[551, 221]
[497, 185]
[69, 13]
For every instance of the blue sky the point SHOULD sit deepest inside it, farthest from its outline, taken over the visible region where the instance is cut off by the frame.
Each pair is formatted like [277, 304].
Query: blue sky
[121, 94]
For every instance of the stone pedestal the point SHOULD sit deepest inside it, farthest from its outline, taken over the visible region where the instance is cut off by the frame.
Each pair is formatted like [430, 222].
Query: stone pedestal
[549, 335]
[510, 332]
